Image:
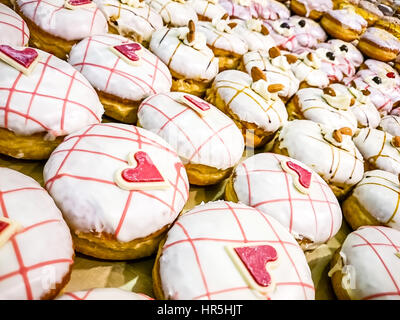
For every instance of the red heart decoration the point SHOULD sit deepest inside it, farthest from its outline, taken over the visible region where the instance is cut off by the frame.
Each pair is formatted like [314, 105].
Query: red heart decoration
[303, 174]
[145, 170]
[3, 225]
[390, 75]
[129, 50]
[199, 104]
[23, 57]
[255, 259]
[79, 2]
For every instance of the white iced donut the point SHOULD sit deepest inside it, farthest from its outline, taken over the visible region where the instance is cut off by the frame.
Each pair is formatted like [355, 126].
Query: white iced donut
[175, 13]
[136, 21]
[339, 163]
[378, 149]
[207, 10]
[116, 77]
[209, 244]
[390, 124]
[103, 294]
[311, 214]
[346, 52]
[103, 204]
[13, 30]
[370, 264]
[311, 8]
[277, 70]
[37, 258]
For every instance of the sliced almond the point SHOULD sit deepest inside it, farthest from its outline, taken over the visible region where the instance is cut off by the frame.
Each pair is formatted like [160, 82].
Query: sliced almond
[329, 91]
[225, 16]
[257, 74]
[366, 92]
[192, 30]
[337, 136]
[310, 56]
[274, 52]
[396, 141]
[232, 25]
[291, 58]
[346, 130]
[275, 87]
[352, 102]
[396, 104]
[264, 30]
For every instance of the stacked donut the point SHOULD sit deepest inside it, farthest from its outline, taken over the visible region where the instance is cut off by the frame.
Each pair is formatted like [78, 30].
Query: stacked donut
[292, 109]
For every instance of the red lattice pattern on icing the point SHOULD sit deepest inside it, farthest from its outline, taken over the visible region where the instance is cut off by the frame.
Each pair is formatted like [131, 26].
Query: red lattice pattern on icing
[14, 22]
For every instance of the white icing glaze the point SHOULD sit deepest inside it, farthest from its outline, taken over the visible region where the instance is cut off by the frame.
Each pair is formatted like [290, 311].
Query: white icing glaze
[390, 124]
[138, 23]
[255, 39]
[103, 294]
[194, 253]
[67, 24]
[316, 5]
[348, 19]
[276, 71]
[207, 9]
[313, 106]
[54, 98]
[371, 8]
[110, 74]
[87, 194]
[370, 256]
[310, 71]
[217, 39]
[13, 30]
[31, 264]
[183, 59]
[382, 38]
[378, 193]
[212, 140]
[334, 164]
[174, 13]
[235, 89]
[376, 148]
[260, 182]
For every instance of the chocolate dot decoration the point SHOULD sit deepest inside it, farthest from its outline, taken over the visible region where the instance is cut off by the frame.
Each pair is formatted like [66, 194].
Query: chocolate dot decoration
[344, 48]
[377, 80]
[285, 25]
[330, 55]
[302, 23]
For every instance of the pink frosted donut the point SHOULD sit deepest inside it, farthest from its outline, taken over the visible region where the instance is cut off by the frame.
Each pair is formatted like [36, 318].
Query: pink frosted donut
[312, 214]
[103, 294]
[203, 257]
[36, 260]
[13, 30]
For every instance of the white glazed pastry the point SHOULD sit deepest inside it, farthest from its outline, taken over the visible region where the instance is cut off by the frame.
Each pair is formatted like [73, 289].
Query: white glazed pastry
[37, 256]
[209, 245]
[311, 8]
[175, 13]
[379, 44]
[390, 124]
[252, 103]
[298, 198]
[380, 149]
[369, 265]
[103, 294]
[119, 81]
[107, 212]
[339, 162]
[346, 52]
[207, 10]
[276, 67]
[207, 138]
[13, 30]
[192, 64]
[131, 19]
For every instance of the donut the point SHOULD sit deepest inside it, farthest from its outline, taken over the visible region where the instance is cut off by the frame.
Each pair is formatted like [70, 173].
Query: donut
[369, 11]
[175, 13]
[328, 107]
[42, 99]
[227, 46]
[57, 25]
[296, 33]
[308, 70]
[379, 149]
[13, 30]
[367, 265]
[103, 294]
[373, 201]
[192, 64]
[252, 102]
[276, 67]
[290, 192]
[343, 24]
[339, 162]
[311, 9]
[131, 19]
[390, 24]
[107, 205]
[379, 44]
[255, 33]
[259, 9]
[121, 81]
[390, 124]
[35, 242]
[210, 244]
[206, 140]
[207, 10]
